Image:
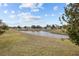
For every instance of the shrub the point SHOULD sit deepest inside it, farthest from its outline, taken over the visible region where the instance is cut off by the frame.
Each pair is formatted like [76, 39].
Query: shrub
[71, 17]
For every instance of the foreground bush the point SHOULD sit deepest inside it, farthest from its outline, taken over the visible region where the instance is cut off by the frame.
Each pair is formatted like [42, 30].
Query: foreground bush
[71, 17]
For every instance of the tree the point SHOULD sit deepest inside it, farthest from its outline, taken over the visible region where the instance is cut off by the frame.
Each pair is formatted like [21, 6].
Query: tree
[18, 27]
[48, 26]
[25, 27]
[33, 26]
[71, 17]
[3, 27]
[38, 27]
[53, 27]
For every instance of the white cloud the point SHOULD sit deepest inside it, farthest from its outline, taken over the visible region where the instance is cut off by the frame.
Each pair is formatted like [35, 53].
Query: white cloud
[5, 4]
[12, 12]
[26, 5]
[55, 8]
[12, 16]
[46, 14]
[49, 15]
[5, 11]
[28, 17]
[33, 6]
[52, 15]
[40, 5]
[34, 10]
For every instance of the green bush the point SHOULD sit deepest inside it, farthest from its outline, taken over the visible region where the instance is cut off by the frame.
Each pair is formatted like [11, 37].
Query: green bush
[71, 17]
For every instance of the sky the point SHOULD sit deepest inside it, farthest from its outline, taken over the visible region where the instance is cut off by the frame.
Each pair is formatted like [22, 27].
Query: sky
[27, 14]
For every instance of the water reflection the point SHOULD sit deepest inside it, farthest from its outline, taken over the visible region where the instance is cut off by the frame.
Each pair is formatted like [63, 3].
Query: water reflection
[47, 34]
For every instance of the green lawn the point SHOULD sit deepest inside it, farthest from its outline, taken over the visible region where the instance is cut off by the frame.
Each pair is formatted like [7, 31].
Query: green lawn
[15, 43]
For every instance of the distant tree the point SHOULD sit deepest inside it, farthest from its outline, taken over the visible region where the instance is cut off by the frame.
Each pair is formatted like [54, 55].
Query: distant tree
[53, 27]
[57, 26]
[48, 25]
[71, 17]
[33, 26]
[18, 27]
[45, 27]
[25, 27]
[38, 26]
[0, 21]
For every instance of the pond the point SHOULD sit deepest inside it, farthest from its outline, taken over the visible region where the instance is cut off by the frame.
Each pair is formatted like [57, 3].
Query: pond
[46, 34]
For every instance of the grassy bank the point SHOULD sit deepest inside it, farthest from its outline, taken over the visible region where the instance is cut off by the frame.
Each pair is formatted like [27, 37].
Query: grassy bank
[15, 43]
[58, 31]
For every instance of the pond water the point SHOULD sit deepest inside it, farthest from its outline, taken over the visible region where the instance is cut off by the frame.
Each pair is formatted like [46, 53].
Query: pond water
[46, 34]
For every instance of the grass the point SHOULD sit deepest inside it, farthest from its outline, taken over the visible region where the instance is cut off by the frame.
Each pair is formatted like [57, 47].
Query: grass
[58, 31]
[15, 43]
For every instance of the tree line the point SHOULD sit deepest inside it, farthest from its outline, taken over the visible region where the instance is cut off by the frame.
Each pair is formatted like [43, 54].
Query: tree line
[43, 27]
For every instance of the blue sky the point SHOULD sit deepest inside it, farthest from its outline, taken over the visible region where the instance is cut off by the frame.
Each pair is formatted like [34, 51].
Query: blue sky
[14, 14]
